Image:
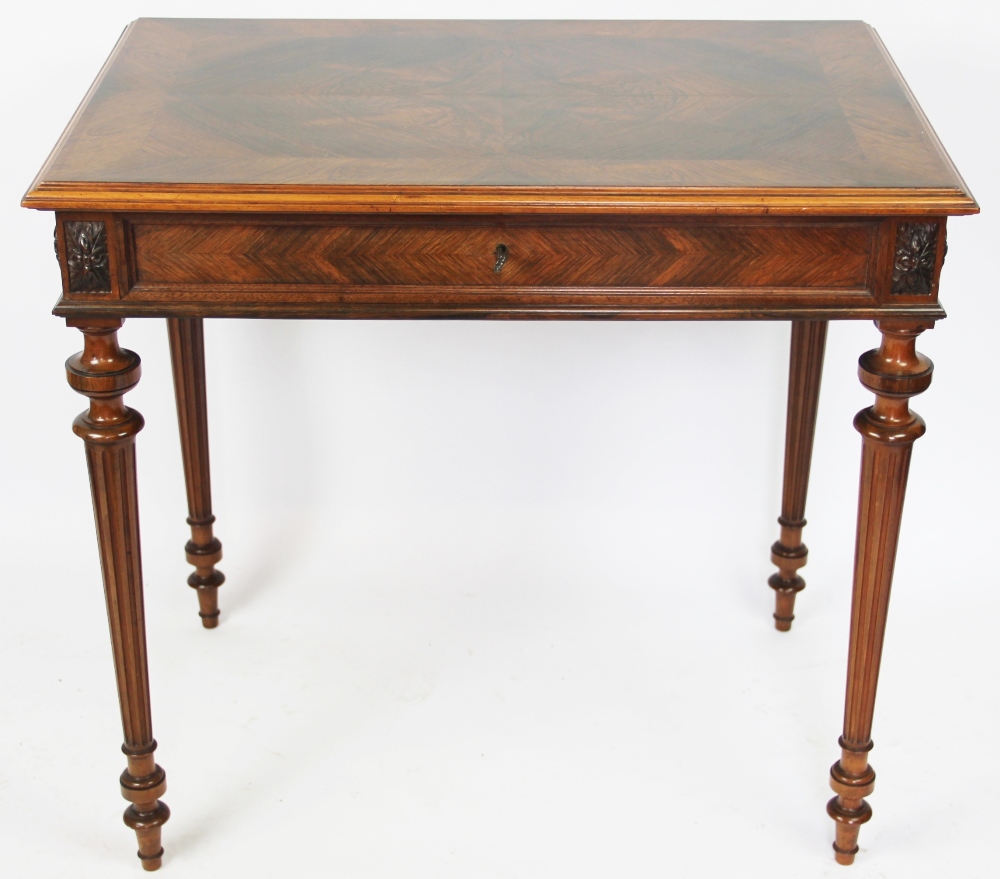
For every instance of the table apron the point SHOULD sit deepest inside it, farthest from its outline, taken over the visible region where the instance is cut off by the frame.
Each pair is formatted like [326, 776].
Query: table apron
[518, 267]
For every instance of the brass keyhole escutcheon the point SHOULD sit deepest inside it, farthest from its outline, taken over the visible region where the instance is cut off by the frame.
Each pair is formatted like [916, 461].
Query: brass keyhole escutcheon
[501, 256]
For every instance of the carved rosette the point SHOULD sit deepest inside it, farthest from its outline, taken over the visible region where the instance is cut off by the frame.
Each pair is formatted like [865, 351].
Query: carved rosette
[915, 259]
[87, 256]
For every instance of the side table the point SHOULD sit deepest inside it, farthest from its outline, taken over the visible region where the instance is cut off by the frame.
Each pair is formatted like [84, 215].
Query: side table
[512, 170]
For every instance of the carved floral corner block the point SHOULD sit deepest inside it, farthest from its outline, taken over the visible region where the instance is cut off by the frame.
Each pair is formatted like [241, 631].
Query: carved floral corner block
[87, 256]
[915, 259]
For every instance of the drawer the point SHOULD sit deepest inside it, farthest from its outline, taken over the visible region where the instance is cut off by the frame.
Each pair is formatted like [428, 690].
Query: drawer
[348, 254]
[377, 252]
[689, 255]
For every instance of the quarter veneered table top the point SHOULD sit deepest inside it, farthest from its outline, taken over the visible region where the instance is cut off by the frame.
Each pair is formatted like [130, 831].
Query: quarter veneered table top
[314, 115]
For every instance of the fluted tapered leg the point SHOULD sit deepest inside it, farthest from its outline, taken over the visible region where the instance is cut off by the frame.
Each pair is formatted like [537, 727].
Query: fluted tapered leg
[204, 551]
[894, 372]
[789, 553]
[104, 372]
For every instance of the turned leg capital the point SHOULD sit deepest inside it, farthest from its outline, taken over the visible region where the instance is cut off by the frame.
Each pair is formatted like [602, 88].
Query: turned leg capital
[104, 372]
[894, 372]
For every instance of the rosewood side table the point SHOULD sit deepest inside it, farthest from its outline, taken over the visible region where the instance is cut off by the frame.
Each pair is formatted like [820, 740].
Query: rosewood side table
[516, 170]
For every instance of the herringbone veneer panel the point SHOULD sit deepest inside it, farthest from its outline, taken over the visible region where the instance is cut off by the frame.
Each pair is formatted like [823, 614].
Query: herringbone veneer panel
[554, 254]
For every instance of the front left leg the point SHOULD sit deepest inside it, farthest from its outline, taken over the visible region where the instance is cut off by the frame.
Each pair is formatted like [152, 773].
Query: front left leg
[894, 373]
[104, 373]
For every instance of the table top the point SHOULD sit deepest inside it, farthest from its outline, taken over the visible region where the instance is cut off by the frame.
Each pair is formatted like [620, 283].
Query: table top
[748, 117]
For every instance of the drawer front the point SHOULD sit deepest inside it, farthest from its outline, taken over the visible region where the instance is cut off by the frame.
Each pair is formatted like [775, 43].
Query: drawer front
[339, 255]
[709, 255]
[356, 253]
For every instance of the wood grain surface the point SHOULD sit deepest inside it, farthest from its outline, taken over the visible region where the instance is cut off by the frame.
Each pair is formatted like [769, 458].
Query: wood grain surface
[495, 116]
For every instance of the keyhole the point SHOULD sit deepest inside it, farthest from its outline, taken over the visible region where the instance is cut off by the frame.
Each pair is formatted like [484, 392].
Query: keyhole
[501, 256]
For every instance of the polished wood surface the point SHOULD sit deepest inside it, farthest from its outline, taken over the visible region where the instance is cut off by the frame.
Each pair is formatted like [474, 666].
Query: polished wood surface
[789, 553]
[104, 372]
[513, 170]
[203, 550]
[492, 116]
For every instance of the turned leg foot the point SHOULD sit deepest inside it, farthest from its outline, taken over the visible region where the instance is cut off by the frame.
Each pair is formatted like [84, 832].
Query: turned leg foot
[853, 779]
[142, 784]
[203, 550]
[894, 372]
[789, 553]
[104, 373]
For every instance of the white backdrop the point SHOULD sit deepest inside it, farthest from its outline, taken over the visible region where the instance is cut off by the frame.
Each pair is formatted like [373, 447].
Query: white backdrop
[496, 601]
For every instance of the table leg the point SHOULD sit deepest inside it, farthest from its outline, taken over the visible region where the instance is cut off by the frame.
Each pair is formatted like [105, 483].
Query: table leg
[789, 553]
[204, 551]
[894, 373]
[104, 373]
